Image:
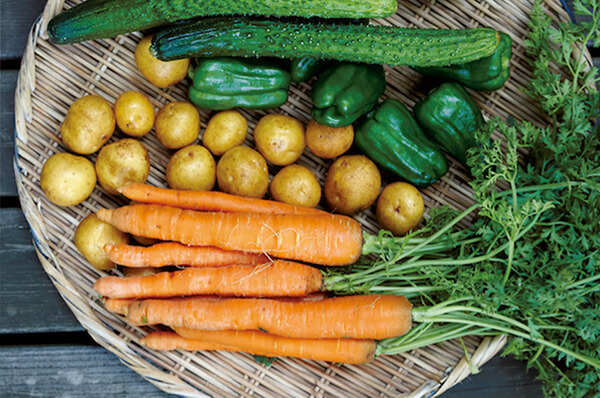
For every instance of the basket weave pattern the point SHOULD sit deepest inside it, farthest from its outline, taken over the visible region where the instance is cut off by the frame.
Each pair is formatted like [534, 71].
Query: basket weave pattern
[52, 77]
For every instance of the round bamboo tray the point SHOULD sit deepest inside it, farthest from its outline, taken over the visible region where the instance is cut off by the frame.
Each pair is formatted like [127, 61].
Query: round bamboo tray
[52, 77]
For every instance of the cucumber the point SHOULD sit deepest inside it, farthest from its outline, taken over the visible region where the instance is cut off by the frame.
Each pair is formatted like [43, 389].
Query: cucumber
[389, 45]
[101, 19]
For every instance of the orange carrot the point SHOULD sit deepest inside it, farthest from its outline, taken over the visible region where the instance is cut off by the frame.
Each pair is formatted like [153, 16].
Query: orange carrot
[353, 351]
[362, 317]
[173, 253]
[278, 278]
[209, 200]
[169, 341]
[325, 239]
[118, 306]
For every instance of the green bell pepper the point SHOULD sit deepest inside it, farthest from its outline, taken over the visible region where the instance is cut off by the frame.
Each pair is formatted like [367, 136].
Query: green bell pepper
[225, 83]
[487, 74]
[392, 138]
[302, 69]
[346, 91]
[450, 117]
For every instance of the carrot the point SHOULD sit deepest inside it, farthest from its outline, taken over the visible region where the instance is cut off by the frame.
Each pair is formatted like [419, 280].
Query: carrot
[353, 351]
[118, 306]
[325, 239]
[209, 200]
[361, 317]
[173, 253]
[169, 341]
[277, 278]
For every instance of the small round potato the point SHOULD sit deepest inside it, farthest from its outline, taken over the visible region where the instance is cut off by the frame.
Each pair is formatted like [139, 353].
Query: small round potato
[67, 179]
[134, 113]
[399, 208]
[89, 124]
[122, 162]
[243, 171]
[328, 142]
[177, 124]
[280, 139]
[90, 237]
[352, 184]
[297, 185]
[225, 130]
[160, 73]
[192, 168]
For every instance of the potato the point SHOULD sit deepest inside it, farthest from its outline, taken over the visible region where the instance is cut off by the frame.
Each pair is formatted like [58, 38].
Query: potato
[352, 184]
[122, 162]
[67, 179]
[134, 113]
[399, 208]
[225, 130]
[193, 168]
[280, 139]
[90, 237]
[328, 142]
[296, 185]
[160, 73]
[177, 124]
[89, 124]
[243, 171]
[140, 271]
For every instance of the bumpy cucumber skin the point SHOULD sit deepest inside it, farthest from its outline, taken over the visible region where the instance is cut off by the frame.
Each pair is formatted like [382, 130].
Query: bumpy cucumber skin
[101, 19]
[389, 45]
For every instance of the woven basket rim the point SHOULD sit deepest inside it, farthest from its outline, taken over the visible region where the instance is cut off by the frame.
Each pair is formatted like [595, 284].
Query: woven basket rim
[87, 313]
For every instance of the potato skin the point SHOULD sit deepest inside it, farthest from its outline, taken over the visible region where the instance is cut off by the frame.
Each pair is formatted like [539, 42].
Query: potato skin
[399, 208]
[352, 184]
[134, 114]
[280, 139]
[192, 168]
[89, 124]
[177, 124]
[160, 73]
[296, 185]
[90, 237]
[67, 179]
[122, 162]
[328, 142]
[225, 130]
[243, 171]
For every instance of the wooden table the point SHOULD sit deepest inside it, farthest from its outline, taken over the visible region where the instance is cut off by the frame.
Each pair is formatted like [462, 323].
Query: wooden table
[44, 351]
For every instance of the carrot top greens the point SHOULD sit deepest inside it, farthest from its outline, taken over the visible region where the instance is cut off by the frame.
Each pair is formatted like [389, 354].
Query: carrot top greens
[529, 265]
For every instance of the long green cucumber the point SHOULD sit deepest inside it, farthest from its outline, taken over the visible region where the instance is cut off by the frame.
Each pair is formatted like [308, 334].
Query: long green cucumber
[101, 19]
[389, 45]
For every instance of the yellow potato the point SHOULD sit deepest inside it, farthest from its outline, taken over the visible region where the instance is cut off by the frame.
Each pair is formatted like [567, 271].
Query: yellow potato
[352, 184]
[122, 162]
[89, 124]
[399, 208]
[328, 142]
[134, 113]
[192, 168]
[243, 171]
[90, 237]
[296, 185]
[67, 179]
[177, 124]
[280, 139]
[225, 130]
[160, 73]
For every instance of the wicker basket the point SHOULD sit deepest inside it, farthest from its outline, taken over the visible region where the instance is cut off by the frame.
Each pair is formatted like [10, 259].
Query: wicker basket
[52, 77]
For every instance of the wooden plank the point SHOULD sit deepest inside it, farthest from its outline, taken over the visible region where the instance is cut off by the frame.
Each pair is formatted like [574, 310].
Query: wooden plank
[73, 371]
[29, 303]
[8, 81]
[17, 18]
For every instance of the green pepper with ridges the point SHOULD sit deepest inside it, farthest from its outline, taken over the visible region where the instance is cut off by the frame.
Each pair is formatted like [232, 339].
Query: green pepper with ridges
[302, 69]
[449, 116]
[486, 74]
[346, 91]
[391, 137]
[225, 83]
